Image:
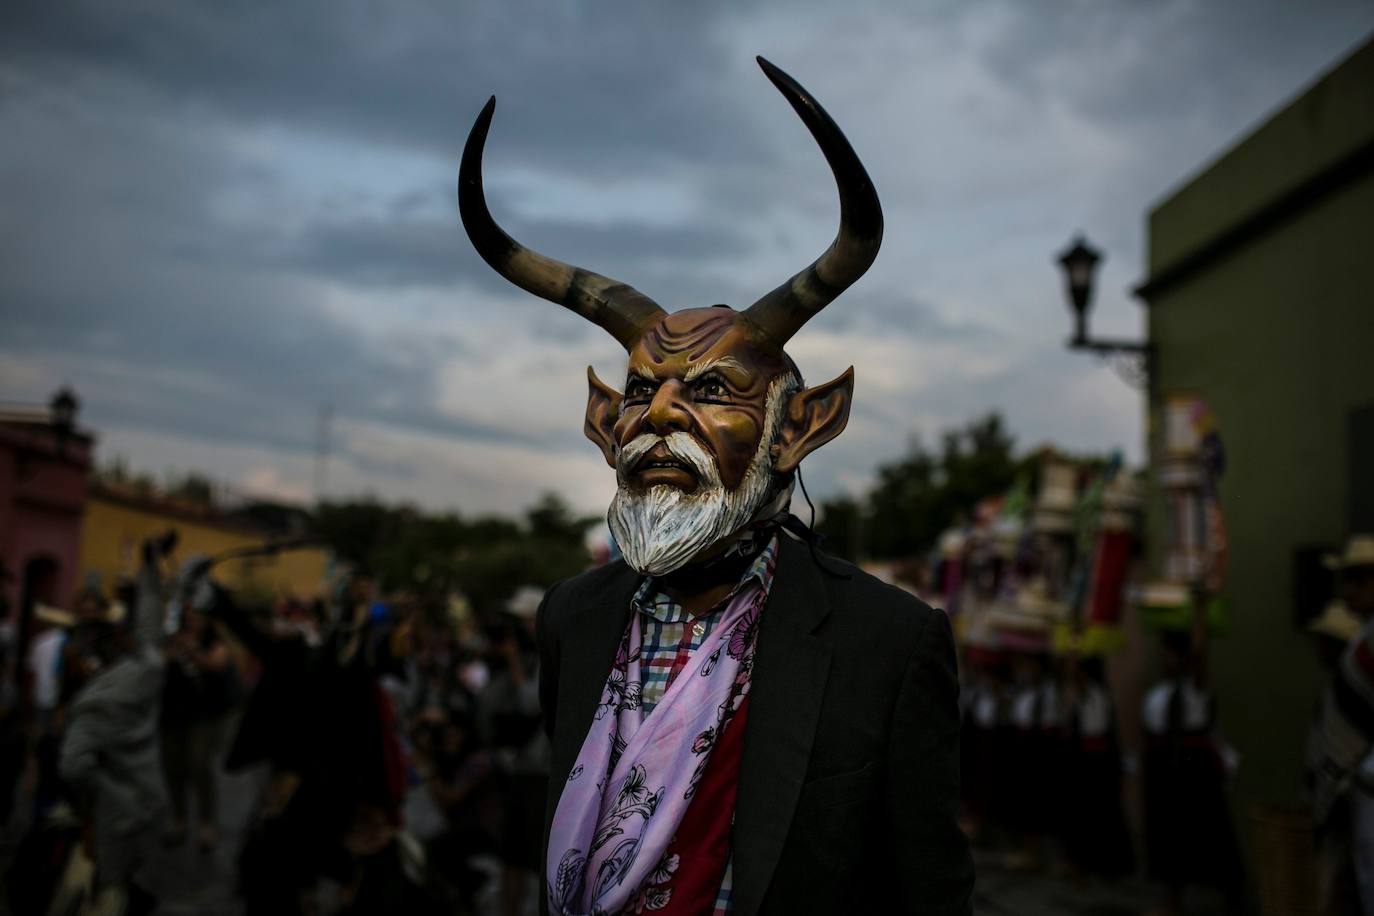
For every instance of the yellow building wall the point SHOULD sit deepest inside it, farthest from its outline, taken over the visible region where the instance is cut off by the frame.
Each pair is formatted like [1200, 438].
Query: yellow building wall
[112, 532]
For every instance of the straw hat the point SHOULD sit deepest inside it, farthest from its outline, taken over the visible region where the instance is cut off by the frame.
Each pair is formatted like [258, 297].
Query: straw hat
[116, 612]
[53, 615]
[1337, 622]
[1359, 551]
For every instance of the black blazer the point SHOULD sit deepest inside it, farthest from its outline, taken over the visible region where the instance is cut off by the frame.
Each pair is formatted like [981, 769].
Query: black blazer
[849, 785]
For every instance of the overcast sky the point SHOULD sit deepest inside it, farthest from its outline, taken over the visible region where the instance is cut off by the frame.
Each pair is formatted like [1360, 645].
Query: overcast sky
[217, 218]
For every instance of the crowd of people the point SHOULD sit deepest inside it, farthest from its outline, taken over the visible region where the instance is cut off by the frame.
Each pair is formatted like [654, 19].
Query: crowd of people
[1035, 734]
[400, 760]
[397, 748]
[1045, 770]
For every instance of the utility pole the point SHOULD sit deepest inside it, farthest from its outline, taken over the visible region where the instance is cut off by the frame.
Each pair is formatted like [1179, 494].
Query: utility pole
[322, 446]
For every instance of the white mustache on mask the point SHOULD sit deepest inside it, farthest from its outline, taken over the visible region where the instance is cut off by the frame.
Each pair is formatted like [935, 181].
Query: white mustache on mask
[682, 446]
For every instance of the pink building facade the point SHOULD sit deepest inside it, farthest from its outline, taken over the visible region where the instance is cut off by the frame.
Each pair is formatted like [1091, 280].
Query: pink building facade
[45, 461]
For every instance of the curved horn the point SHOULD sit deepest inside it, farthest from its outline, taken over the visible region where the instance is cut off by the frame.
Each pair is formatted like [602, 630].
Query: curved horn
[787, 308]
[622, 310]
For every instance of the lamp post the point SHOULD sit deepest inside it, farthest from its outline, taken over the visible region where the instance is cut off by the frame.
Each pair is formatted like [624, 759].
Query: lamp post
[62, 408]
[1079, 262]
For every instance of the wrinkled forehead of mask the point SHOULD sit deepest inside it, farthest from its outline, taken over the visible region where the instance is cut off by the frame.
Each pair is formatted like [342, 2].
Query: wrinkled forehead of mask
[690, 339]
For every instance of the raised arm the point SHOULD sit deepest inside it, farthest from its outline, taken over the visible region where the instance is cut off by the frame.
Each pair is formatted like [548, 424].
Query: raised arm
[148, 613]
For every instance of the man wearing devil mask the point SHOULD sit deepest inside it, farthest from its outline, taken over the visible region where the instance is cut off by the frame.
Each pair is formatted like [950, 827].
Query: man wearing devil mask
[739, 723]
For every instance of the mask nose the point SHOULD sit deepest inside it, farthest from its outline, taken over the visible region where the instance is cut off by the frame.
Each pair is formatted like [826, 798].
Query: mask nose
[667, 413]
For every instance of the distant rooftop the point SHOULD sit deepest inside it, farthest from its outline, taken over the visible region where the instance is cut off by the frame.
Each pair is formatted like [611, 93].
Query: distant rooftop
[46, 428]
[239, 513]
[24, 413]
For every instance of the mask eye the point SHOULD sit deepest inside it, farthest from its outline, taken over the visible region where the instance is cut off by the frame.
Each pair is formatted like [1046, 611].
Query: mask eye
[712, 388]
[638, 389]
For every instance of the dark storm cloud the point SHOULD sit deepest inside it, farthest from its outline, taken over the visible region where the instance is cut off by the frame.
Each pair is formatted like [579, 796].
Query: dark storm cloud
[1181, 72]
[385, 254]
[122, 274]
[411, 73]
[399, 253]
[133, 263]
[1173, 57]
[886, 313]
[103, 266]
[225, 215]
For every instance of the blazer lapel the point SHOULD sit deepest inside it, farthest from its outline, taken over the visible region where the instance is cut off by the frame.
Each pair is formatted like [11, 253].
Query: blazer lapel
[590, 639]
[790, 671]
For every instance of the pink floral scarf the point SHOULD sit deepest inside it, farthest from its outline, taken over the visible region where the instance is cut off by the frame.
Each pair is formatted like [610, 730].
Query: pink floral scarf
[635, 777]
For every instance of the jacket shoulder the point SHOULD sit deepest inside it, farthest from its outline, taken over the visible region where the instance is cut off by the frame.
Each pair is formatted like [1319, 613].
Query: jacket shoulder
[566, 596]
[890, 616]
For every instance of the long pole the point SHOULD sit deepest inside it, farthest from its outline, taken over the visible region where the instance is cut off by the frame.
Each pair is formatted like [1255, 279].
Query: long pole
[322, 446]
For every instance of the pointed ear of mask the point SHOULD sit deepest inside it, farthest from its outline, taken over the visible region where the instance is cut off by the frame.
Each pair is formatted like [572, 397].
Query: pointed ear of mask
[814, 417]
[603, 408]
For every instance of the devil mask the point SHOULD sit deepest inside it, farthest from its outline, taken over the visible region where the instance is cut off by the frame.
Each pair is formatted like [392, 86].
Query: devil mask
[714, 417]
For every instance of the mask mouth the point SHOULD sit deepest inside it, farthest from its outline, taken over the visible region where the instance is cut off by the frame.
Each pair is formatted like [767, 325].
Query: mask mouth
[660, 467]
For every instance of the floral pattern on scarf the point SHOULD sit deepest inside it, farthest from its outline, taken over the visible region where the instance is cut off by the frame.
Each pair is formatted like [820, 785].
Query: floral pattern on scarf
[614, 833]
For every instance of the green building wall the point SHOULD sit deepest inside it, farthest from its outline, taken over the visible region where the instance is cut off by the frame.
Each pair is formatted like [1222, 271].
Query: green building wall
[1261, 301]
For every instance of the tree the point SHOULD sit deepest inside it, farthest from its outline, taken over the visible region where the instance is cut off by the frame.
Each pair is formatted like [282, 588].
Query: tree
[355, 531]
[193, 488]
[551, 520]
[115, 471]
[920, 495]
[429, 556]
[840, 521]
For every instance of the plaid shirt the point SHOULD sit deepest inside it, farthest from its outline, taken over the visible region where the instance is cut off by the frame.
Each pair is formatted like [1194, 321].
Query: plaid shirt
[670, 636]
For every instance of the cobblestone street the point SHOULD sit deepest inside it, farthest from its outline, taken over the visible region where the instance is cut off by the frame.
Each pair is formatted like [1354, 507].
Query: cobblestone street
[1003, 893]
[187, 882]
[192, 884]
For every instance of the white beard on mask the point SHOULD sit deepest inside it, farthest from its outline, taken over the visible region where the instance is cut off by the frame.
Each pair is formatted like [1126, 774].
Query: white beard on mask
[663, 528]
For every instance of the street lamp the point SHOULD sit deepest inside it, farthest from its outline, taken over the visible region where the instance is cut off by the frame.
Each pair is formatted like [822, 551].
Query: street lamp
[1079, 262]
[63, 408]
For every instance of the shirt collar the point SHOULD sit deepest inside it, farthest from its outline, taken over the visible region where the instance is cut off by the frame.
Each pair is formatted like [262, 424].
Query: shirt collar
[654, 603]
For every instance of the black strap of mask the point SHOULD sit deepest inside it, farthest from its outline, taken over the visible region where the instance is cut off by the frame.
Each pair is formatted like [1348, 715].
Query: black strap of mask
[808, 535]
[729, 567]
[732, 565]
